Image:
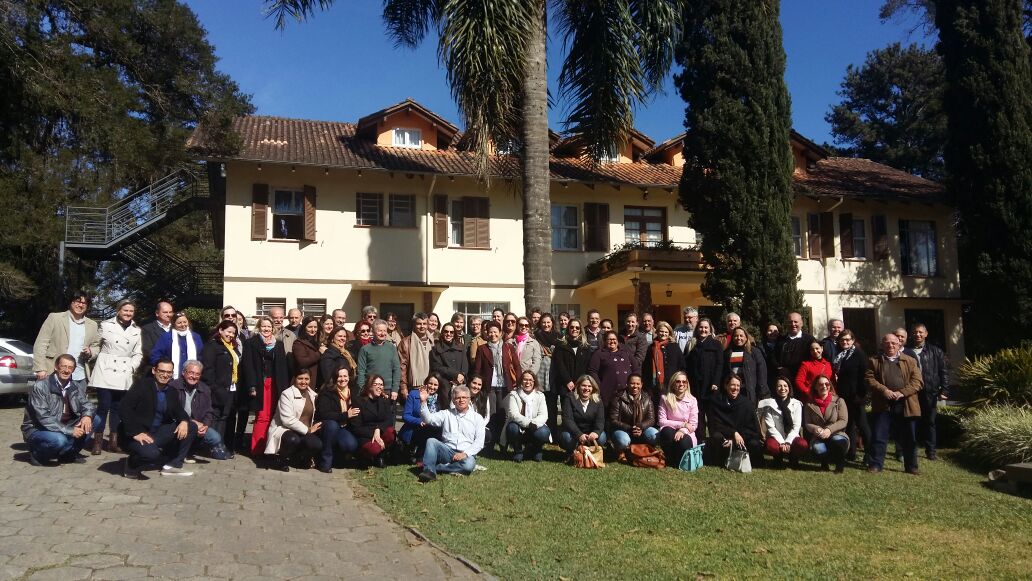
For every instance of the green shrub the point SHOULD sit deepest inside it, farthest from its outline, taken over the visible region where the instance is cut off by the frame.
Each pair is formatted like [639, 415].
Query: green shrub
[949, 425]
[1004, 377]
[203, 321]
[996, 435]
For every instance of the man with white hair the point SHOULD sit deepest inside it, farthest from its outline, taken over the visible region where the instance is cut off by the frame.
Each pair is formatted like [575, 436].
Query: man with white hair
[280, 331]
[683, 332]
[462, 436]
[895, 383]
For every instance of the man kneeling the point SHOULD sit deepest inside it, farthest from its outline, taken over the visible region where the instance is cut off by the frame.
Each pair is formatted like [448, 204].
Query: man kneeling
[155, 422]
[462, 436]
[58, 418]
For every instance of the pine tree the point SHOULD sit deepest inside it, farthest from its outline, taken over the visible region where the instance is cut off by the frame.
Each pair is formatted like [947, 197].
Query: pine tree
[988, 103]
[738, 163]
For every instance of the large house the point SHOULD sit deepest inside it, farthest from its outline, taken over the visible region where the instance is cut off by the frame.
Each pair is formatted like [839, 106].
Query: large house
[388, 211]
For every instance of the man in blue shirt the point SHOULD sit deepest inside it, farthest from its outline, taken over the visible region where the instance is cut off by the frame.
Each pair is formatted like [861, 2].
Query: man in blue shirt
[462, 436]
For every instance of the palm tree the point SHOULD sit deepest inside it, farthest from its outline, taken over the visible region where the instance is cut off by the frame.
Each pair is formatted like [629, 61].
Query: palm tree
[618, 53]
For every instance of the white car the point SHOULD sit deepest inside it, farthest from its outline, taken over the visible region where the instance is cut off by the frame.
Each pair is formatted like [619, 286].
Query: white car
[16, 376]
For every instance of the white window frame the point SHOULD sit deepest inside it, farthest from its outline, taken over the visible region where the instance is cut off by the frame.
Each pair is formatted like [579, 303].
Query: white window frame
[470, 309]
[456, 231]
[312, 307]
[297, 209]
[358, 208]
[262, 305]
[796, 231]
[612, 155]
[407, 137]
[395, 203]
[559, 229]
[860, 241]
[573, 309]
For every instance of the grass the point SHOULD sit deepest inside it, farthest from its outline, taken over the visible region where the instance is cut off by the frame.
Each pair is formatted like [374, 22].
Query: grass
[552, 521]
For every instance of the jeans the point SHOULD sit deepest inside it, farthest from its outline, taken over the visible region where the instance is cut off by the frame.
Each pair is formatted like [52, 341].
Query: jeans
[44, 445]
[335, 439]
[622, 439]
[926, 426]
[437, 457]
[107, 410]
[831, 450]
[165, 441]
[569, 443]
[518, 438]
[903, 428]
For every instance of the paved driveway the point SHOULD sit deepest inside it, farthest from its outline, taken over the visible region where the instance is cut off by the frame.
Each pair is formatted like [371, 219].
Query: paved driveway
[231, 520]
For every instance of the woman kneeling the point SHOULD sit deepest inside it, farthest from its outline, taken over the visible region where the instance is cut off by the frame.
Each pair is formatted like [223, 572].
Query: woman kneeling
[333, 409]
[374, 426]
[632, 418]
[732, 423]
[526, 427]
[292, 434]
[678, 418]
[782, 416]
[584, 417]
[826, 418]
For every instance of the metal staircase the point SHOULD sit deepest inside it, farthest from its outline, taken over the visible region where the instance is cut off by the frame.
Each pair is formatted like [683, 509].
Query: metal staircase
[119, 232]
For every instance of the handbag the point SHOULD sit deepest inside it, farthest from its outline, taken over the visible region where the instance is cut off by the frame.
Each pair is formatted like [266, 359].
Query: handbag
[645, 456]
[587, 457]
[691, 460]
[738, 461]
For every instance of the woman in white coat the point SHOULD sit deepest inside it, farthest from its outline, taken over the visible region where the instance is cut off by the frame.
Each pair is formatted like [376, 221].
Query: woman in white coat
[526, 415]
[120, 354]
[781, 417]
[293, 433]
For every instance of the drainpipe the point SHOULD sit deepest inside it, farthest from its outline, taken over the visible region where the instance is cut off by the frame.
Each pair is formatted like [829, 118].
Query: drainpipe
[824, 267]
[428, 221]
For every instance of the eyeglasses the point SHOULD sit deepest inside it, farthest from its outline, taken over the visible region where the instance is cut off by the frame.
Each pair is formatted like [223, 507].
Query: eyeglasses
[163, 372]
[524, 325]
[229, 316]
[510, 322]
[447, 332]
[577, 327]
[79, 302]
[460, 397]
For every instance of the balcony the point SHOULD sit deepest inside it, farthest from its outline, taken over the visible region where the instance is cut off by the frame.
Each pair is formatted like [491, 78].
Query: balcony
[635, 257]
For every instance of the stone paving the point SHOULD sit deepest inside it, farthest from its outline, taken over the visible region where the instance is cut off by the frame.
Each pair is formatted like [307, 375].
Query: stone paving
[230, 520]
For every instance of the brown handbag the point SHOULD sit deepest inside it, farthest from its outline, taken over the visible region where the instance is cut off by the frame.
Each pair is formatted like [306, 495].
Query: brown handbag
[587, 457]
[645, 456]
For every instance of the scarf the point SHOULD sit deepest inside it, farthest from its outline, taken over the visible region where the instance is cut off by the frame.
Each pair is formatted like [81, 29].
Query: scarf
[658, 370]
[842, 357]
[343, 401]
[177, 355]
[524, 400]
[521, 339]
[233, 356]
[823, 403]
[270, 342]
[496, 353]
[431, 402]
[546, 338]
[419, 358]
[786, 413]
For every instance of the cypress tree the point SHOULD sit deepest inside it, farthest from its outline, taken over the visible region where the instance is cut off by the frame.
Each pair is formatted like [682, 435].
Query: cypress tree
[988, 154]
[737, 180]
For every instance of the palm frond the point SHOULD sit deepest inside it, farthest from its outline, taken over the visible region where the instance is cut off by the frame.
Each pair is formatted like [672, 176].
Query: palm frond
[408, 21]
[482, 46]
[659, 31]
[299, 10]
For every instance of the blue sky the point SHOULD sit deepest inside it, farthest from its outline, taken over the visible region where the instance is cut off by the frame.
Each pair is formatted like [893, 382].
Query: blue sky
[340, 65]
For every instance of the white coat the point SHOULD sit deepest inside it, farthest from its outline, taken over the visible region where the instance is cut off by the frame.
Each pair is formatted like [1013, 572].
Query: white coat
[121, 352]
[288, 416]
[773, 424]
[536, 412]
[530, 357]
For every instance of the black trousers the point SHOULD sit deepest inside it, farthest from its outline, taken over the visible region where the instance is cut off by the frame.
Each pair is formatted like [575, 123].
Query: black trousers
[165, 445]
[294, 446]
[674, 449]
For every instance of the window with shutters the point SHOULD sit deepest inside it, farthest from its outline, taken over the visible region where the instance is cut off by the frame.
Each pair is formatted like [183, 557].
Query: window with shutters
[797, 237]
[288, 212]
[917, 247]
[404, 137]
[469, 223]
[312, 307]
[646, 225]
[596, 227]
[565, 228]
[820, 235]
[859, 238]
[263, 305]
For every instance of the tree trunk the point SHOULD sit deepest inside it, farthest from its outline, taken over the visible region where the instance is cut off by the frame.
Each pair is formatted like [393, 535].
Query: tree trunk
[537, 225]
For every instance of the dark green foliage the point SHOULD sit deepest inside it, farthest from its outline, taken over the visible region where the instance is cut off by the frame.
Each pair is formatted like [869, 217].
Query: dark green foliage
[988, 101]
[738, 162]
[891, 110]
[96, 99]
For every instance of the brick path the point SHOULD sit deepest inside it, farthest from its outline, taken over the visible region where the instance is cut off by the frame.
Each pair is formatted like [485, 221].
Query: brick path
[228, 521]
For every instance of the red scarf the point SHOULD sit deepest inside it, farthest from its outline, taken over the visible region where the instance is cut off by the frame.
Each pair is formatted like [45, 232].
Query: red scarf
[364, 341]
[657, 364]
[823, 403]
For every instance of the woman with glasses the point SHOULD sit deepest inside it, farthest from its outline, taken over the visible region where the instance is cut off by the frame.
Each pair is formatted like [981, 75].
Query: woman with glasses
[826, 417]
[374, 425]
[509, 327]
[363, 336]
[611, 365]
[448, 363]
[678, 417]
[527, 348]
[180, 344]
[306, 353]
[265, 376]
[850, 365]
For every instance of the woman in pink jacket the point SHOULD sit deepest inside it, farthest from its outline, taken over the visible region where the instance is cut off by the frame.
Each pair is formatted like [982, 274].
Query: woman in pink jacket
[678, 418]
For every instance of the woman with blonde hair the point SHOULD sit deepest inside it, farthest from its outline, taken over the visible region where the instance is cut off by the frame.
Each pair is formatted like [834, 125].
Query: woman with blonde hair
[663, 360]
[584, 416]
[678, 417]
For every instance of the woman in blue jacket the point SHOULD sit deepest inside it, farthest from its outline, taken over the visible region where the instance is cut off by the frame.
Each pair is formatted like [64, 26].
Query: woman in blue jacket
[180, 345]
[415, 432]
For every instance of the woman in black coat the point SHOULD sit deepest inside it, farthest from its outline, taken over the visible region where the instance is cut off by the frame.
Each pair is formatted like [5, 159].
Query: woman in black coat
[448, 363]
[704, 365]
[221, 374]
[849, 366]
[663, 360]
[748, 361]
[584, 416]
[374, 425]
[265, 376]
[733, 424]
[336, 354]
[570, 359]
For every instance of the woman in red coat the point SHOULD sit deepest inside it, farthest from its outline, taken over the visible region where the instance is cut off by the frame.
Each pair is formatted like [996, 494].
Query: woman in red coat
[811, 369]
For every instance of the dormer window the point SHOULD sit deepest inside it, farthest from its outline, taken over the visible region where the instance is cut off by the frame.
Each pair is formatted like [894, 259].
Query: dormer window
[508, 147]
[407, 138]
[612, 155]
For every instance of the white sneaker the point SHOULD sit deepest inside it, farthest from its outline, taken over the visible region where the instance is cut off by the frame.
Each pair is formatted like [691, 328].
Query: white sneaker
[167, 470]
[189, 461]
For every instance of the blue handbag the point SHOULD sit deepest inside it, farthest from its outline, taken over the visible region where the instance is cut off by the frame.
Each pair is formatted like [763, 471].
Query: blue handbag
[692, 459]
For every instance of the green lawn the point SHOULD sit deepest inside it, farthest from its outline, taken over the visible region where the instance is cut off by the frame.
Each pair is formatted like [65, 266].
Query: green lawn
[553, 521]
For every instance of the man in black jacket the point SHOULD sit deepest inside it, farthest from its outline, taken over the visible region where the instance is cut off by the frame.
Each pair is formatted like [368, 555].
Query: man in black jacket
[153, 422]
[793, 346]
[195, 397]
[935, 374]
[152, 331]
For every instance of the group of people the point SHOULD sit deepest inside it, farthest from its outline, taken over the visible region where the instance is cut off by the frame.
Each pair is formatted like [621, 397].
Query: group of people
[515, 382]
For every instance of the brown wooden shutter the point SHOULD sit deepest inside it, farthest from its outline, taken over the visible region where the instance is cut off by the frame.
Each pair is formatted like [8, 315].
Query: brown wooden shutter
[259, 211]
[596, 227]
[881, 236]
[469, 222]
[483, 223]
[846, 235]
[309, 233]
[440, 221]
[813, 235]
[827, 235]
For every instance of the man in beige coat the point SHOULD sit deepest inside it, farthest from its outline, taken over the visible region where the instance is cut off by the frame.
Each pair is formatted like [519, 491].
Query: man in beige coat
[895, 383]
[67, 332]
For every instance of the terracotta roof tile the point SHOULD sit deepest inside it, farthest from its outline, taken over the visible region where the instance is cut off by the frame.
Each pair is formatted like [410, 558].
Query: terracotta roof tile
[856, 177]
